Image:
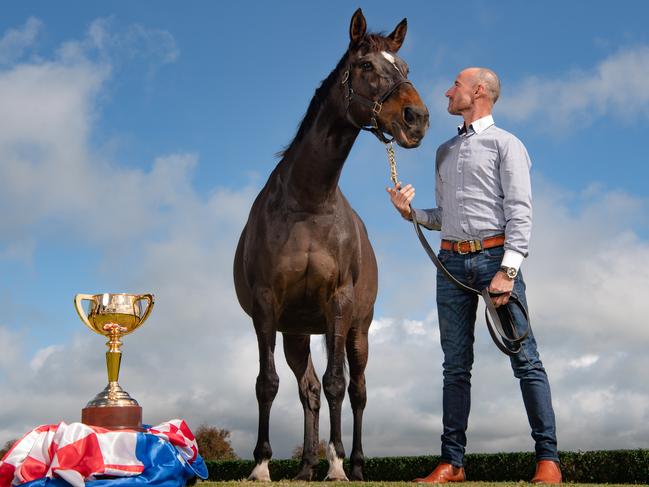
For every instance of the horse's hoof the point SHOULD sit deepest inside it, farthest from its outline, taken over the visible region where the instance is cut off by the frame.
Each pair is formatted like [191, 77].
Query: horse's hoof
[304, 475]
[334, 478]
[356, 475]
[336, 472]
[260, 473]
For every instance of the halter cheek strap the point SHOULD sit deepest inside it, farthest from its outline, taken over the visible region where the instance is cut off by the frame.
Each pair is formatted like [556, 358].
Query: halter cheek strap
[374, 105]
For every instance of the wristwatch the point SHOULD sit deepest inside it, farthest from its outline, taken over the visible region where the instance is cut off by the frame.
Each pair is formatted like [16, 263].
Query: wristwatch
[510, 272]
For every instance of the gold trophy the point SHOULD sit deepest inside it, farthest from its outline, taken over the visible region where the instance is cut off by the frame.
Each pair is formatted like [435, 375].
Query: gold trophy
[113, 315]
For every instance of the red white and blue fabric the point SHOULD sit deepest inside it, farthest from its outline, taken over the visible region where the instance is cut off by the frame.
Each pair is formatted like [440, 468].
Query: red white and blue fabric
[76, 454]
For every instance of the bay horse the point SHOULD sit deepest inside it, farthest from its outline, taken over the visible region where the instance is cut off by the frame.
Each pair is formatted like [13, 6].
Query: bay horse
[304, 264]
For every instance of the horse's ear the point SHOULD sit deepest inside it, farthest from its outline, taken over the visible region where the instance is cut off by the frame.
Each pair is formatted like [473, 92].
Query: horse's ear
[399, 34]
[357, 27]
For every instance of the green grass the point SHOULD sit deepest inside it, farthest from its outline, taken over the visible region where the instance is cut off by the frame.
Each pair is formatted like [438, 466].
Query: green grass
[288, 483]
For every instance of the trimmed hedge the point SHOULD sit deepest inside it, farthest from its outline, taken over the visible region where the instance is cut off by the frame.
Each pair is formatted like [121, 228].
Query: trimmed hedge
[614, 466]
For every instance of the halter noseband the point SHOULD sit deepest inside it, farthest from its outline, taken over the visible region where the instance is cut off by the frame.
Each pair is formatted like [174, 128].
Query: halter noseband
[374, 105]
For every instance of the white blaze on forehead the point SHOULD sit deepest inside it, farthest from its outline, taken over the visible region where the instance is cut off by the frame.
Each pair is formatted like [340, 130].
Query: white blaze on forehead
[391, 59]
[388, 56]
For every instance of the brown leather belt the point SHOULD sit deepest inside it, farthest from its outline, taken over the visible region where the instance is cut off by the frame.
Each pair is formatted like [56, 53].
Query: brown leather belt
[472, 246]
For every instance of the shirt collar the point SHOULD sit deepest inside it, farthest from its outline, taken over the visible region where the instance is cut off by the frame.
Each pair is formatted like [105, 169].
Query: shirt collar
[477, 126]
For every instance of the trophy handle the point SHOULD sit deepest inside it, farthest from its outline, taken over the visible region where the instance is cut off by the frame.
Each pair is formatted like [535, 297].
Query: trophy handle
[77, 305]
[149, 307]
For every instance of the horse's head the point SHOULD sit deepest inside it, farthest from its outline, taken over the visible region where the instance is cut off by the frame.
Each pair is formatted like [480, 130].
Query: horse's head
[379, 96]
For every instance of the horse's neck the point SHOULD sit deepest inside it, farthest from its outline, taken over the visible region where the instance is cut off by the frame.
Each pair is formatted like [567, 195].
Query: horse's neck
[315, 162]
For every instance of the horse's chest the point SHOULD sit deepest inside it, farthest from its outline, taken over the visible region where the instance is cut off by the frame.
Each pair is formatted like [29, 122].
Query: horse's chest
[311, 256]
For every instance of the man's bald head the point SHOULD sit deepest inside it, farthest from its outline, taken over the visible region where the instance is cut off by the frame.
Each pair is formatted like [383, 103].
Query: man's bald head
[473, 93]
[489, 80]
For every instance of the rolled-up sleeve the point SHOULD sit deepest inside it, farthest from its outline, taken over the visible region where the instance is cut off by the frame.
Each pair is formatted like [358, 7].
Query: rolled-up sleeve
[431, 218]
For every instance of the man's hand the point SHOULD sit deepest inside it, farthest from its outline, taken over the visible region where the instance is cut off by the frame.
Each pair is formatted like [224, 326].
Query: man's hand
[501, 284]
[401, 198]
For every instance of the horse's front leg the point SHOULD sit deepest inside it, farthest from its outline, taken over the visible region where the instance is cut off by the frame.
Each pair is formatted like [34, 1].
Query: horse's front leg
[263, 316]
[339, 311]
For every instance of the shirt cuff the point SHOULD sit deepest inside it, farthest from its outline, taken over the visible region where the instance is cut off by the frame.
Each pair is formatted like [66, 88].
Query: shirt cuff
[512, 259]
[420, 215]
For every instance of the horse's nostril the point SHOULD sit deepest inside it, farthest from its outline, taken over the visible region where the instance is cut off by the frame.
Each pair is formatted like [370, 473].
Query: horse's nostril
[409, 116]
[415, 116]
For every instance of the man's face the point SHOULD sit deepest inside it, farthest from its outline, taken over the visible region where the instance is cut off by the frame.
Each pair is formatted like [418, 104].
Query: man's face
[461, 94]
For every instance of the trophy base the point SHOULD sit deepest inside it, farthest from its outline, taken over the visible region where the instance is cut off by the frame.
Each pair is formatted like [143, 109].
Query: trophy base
[113, 417]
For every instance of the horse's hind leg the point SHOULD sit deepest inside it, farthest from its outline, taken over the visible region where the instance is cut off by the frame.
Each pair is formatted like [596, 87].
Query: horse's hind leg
[298, 356]
[267, 381]
[357, 356]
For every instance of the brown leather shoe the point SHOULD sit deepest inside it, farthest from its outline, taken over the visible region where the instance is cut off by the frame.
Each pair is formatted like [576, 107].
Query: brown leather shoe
[547, 472]
[444, 472]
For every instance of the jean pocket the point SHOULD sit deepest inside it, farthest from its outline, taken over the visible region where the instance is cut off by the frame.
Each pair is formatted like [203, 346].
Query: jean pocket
[444, 256]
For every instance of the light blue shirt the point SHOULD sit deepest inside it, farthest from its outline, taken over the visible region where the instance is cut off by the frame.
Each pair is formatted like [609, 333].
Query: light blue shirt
[483, 189]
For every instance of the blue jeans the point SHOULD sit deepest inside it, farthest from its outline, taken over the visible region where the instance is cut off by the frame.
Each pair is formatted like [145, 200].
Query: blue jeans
[457, 314]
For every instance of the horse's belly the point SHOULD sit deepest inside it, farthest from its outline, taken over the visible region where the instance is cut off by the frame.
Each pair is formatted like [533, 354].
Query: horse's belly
[302, 320]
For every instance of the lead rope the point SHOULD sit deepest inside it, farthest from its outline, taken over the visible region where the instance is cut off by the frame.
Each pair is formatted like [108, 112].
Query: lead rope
[508, 341]
[393, 163]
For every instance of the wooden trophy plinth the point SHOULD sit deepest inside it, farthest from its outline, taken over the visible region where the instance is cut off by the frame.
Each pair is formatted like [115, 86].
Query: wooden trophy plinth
[113, 417]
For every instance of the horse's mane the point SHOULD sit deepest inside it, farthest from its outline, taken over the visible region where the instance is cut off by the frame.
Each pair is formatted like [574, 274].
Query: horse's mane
[370, 42]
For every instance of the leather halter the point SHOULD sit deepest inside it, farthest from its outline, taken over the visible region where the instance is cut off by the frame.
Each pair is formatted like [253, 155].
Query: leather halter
[375, 105]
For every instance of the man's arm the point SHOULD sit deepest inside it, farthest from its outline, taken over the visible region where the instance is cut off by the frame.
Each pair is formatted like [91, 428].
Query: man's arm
[517, 206]
[401, 198]
[430, 218]
[517, 202]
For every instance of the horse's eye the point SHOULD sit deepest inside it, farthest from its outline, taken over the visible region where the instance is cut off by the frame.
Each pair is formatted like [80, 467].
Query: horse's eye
[367, 66]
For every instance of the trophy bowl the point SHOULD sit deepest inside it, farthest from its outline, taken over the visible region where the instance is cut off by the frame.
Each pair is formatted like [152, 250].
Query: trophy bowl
[113, 316]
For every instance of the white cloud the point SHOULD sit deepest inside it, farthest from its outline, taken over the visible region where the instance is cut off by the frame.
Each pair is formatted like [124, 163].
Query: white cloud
[15, 42]
[583, 361]
[135, 42]
[9, 349]
[616, 86]
[48, 169]
[41, 356]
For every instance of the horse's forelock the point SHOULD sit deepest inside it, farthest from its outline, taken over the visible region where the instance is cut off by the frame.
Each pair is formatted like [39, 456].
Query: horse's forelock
[372, 42]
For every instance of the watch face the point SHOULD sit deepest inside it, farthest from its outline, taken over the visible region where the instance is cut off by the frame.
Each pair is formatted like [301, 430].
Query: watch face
[511, 272]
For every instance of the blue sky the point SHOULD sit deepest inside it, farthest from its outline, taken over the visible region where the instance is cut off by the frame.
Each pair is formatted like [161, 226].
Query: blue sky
[134, 136]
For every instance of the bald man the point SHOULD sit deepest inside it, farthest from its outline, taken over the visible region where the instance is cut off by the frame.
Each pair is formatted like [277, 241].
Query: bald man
[484, 212]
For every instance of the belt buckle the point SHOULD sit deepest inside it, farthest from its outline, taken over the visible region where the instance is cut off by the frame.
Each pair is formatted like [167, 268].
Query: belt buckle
[459, 246]
[474, 246]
